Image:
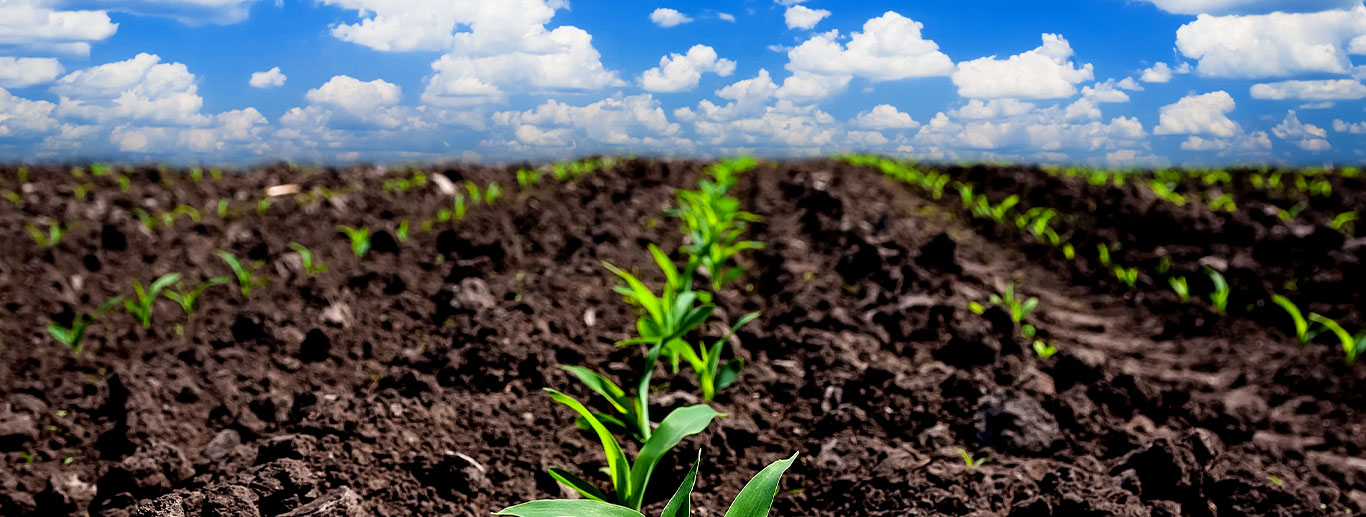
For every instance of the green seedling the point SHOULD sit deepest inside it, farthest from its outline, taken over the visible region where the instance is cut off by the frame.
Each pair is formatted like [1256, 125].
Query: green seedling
[1181, 287]
[971, 461]
[222, 209]
[1301, 324]
[402, 232]
[1045, 349]
[460, 207]
[146, 219]
[1351, 345]
[1103, 251]
[215, 174]
[82, 191]
[74, 336]
[1224, 202]
[714, 224]
[312, 266]
[527, 178]
[1127, 275]
[998, 212]
[1292, 213]
[670, 315]
[1345, 221]
[262, 206]
[247, 279]
[754, 500]
[443, 216]
[187, 300]
[492, 193]
[187, 211]
[196, 174]
[1019, 309]
[125, 183]
[473, 189]
[13, 197]
[977, 308]
[78, 173]
[359, 237]
[143, 303]
[630, 479]
[1219, 296]
[1069, 251]
[712, 374]
[1167, 192]
[51, 238]
[22, 175]
[1164, 265]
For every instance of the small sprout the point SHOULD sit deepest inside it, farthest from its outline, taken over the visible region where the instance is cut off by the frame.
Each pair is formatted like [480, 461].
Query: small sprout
[78, 173]
[1351, 346]
[13, 197]
[125, 183]
[1127, 275]
[971, 461]
[1181, 287]
[222, 209]
[360, 239]
[146, 219]
[527, 178]
[1275, 480]
[460, 207]
[492, 193]
[444, 215]
[475, 195]
[1020, 309]
[1219, 296]
[262, 206]
[215, 174]
[143, 304]
[1164, 265]
[246, 278]
[187, 300]
[977, 308]
[1104, 254]
[67, 461]
[1069, 251]
[312, 266]
[1301, 324]
[1224, 202]
[22, 174]
[1345, 220]
[1294, 212]
[53, 237]
[402, 232]
[82, 191]
[1045, 349]
[74, 336]
[196, 174]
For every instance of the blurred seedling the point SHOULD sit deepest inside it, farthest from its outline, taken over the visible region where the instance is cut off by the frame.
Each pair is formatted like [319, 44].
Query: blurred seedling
[1045, 349]
[1219, 296]
[359, 237]
[1127, 275]
[187, 299]
[970, 461]
[312, 266]
[492, 193]
[73, 336]
[262, 206]
[143, 303]
[48, 239]
[1181, 287]
[247, 279]
[402, 232]
[1351, 345]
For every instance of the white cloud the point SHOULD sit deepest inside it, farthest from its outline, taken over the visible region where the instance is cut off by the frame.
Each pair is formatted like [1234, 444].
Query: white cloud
[1108, 91]
[678, 72]
[726, 17]
[1011, 124]
[1355, 128]
[344, 101]
[351, 94]
[27, 71]
[190, 12]
[1128, 83]
[272, 78]
[1273, 45]
[1325, 90]
[1249, 6]
[802, 87]
[231, 130]
[1256, 143]
[1205, 114]
[1158, 73]
[803, 17]
[976, 109]
[1307, 136]
[36, 25]
[889, 48]
[665, 17]
[884, 116]
[1046, 72]
[616, 121]
[141, 89]
[19, 116]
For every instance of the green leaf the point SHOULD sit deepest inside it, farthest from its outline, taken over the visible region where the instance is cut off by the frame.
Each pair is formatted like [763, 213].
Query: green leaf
[642, 294]
[602, 385]
[161, 283]
[62, 334]
[756, 498]
[681, 423]
[577, 483]
[569, 508]
[679, 504]
[728, 373]
[619, 468]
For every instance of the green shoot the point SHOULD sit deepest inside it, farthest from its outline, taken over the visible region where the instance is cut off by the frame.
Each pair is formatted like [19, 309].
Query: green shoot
[246, 278]
[74, 336]
[754, 500]
[1104, 254]
[970, 461]
[222, 209]
[125, 183]
[215, 174]
[1219, 296]
[262, 206]
[1351, 346]
[13, 197]
[142, 305]
[22, 175]
[1069, 252]
[82, 191]
[473, 189]
[187, 300]
[1224, 202]
[712, 374]
[1292, 213]
[146, 219]
[53, 237]
[402, 233]
[1182, 288]
[460, 208]
[196, 174]
[443, 215]
[312, 266]
[1129, 275]
[1345, 220]
[630, 479]
[1019, 308]
[360, 239]
[492, 193]
[527, 178]
[1045, 349]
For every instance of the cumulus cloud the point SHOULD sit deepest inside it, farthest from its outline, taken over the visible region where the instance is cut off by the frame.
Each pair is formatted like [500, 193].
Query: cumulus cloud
[28, 71]
[884, 116]
[679, 72]
[353, 95]
[228, 131]
[1355, 128]
[1249, 6]
[1046, 72]
[1205, 114]
[1325, 90]
[20, 117]
[1158, 73]
[1255, 143]
[1012, 124]
[636, 120]
[804, 87]
[889, 48]
[272, 78]
[803, 17]
[141, 89]
[1273, 45]
[37, 26]
[1307, 136]
[665, 17]
[190, 12]
[1108, 91]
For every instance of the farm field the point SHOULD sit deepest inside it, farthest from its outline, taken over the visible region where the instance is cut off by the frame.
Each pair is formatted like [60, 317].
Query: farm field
[925, 339]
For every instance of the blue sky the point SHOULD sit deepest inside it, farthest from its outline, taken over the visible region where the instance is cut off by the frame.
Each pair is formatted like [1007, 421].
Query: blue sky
[1103, 82]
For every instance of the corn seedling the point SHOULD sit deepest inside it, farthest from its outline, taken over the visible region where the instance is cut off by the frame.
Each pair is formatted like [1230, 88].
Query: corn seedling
[74, 336]
[1166, 192]
[148, 222]
[1219, 296]
[1181, 287]
[143, 303]
[125, 183]
[1127, 275]
[1224, 202]
[247, 279]
[527, 178]
[971, 461]
[459, 207]
[262, 206]
[714, 223]
[1019, 309]
[1069, 251]
[215, 174]
[667, 317]
[312, 266]
[222, 209]
[712, 374]
[1045, 349]
[402, 232]
[1103, 251]
[443, 215]
[78, 173]
[1301, 324]
[82, 191]
[187, 211]
[630, 479]
[187, 299]
[492, 193]
[473, 189]
[48, 239]
[196, 174]
[1346, 221]
[13, 197]
[360, 239]
[754, 500]
[1292, 213]
[1351, 345]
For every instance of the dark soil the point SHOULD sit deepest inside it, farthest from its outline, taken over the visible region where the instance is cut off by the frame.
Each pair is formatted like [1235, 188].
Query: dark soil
[409, 382]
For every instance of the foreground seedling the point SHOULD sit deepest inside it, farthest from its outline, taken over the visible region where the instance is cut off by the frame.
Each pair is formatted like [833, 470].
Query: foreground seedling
[754, 500]
[712, 374]
[359, 237]
[74, 336]
[187, 299]
[142, 305]
[247, 279]
[669, 316]
[1019, 309]
[1351, 345]
[713, 222]
[312, 266]
[1301, 324]
[1219, 296]
[630, 479]
[48, 239]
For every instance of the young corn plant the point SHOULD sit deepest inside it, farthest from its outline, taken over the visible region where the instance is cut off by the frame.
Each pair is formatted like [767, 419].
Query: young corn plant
[312, 266]
[492, 193]
[74, 336]
[1181, 287]
[143, 303]
[1045, 349]
[712, 374]
[402, 232]
[1351, 345]
[359, 237]
[1019, 309]
[1219, 296]
[630, 479]
[714, 224]
[754, 500]
[186, 300]
[1127, 275]
[247, 279]
[527, 178]
[971, 461]
[51, 238]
